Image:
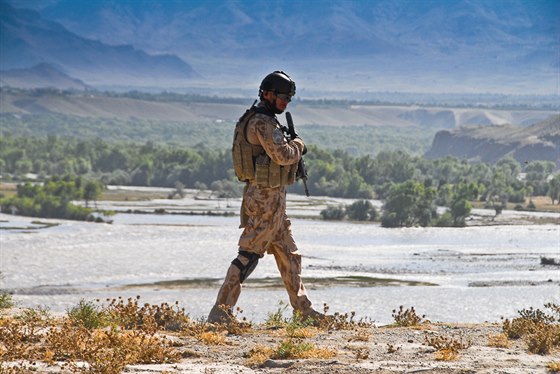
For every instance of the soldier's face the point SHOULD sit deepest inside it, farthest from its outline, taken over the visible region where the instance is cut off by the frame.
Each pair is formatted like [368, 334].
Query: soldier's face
[280, 101]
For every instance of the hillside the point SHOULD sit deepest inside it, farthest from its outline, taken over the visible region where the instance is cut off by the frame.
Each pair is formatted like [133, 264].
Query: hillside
[540, 141]
[40, 76]
[211, 109]
[27, 39]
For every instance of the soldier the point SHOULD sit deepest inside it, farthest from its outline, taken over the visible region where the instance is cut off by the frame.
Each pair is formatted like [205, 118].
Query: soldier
[267, 162]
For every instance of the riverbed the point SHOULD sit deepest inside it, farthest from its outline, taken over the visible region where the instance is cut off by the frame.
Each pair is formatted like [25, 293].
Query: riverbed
[471, 274]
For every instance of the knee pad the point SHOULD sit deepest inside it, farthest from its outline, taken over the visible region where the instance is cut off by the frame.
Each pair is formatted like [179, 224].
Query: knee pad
[246, 270]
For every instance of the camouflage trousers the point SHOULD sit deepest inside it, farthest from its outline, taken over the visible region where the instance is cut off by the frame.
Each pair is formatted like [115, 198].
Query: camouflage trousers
[267, 229]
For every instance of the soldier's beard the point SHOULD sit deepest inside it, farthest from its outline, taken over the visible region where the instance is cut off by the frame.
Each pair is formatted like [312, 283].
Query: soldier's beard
[272, 107]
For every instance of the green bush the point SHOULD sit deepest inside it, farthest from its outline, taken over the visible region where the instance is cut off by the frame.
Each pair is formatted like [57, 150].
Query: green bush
[333, 213]
[361, 210]
[6, 301]
[87, 314]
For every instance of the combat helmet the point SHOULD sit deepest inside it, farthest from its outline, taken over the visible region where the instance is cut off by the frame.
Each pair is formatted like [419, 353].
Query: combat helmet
[279, 82]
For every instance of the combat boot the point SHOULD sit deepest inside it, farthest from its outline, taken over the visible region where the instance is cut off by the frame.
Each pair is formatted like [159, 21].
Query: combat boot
[221, 314]
[227, 297]
[314, 317]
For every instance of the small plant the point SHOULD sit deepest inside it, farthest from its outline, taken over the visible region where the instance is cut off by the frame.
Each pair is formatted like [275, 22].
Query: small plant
[407, 318]
[88, 314]
[298, 348]
[498, 341]
[292, 348]
[447, 349]
[6, 301]
[553, 367]
[277, 319]
[299, 327]
[361, 335]
[258, 355]
[539, 329]
[345, 321]
[212, 338]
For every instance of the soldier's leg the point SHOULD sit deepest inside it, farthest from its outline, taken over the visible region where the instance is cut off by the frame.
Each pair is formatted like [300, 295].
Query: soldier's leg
[288, 261]
[240, 268]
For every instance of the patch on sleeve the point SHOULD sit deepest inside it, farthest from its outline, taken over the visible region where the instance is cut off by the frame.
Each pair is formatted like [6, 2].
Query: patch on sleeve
[278, 136]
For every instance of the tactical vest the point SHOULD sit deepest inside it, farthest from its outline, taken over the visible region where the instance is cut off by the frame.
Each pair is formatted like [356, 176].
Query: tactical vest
[251, 163]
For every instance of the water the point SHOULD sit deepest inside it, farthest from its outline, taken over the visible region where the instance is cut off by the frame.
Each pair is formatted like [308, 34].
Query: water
[477, 273]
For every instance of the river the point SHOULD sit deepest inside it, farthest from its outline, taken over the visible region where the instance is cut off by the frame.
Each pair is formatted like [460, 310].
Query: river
[472, 274]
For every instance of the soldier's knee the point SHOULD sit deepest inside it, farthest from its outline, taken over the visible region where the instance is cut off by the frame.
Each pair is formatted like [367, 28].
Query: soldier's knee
[246, 269]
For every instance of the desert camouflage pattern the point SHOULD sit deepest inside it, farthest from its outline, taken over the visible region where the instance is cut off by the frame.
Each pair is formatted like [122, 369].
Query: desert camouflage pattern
[266, 227]
[266, 131]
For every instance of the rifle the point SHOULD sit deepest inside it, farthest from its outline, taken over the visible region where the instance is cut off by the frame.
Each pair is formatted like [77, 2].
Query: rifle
[301, 172]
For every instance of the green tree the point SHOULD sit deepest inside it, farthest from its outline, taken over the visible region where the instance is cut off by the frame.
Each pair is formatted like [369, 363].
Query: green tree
[554, 188]
[53, 199]
[409, 204]
[460, 210]
[92, 190]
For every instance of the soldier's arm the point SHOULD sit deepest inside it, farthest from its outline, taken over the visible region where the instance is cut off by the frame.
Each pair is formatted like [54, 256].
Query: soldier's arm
[274, 142]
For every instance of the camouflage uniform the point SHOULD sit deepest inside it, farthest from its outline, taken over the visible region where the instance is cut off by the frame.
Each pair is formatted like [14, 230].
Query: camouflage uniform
[266, 225]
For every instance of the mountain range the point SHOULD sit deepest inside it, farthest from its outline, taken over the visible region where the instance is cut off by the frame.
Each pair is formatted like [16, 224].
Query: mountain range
[28, 40]
[508, 46]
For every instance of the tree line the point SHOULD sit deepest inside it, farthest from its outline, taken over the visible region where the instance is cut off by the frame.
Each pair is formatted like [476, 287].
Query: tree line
[410, 186]
[53, 198]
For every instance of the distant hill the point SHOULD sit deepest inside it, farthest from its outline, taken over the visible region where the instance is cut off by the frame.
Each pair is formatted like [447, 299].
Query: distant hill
[212, 109]
[540, 141]
[40, 76]
[27, 39]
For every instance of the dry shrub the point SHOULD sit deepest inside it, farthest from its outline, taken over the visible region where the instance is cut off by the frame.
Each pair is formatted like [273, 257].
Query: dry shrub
[287, 349]
[107, 350]
[302, 332]
[362, 354]
[544, 340]
[339, 321]
[407, 318]
[361, 335]
[258, 355]
[297, 348]
[539, 329]
[212, 338]
[553, 367]
[392, 349]
[77, 339]
[20, 336]
[498, 340]
[447, 349]
[149, 318]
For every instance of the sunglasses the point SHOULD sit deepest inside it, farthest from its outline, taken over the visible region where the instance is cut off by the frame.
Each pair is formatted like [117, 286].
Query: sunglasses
[284, 97]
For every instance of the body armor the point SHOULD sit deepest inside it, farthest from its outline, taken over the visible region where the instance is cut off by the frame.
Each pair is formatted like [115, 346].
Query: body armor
[252, 164]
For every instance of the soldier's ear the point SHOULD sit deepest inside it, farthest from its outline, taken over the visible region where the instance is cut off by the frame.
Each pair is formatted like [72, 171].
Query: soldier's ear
[268, 95]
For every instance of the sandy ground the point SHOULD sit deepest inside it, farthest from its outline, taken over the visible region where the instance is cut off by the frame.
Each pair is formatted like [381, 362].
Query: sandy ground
[370, 350]
[361, 350]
